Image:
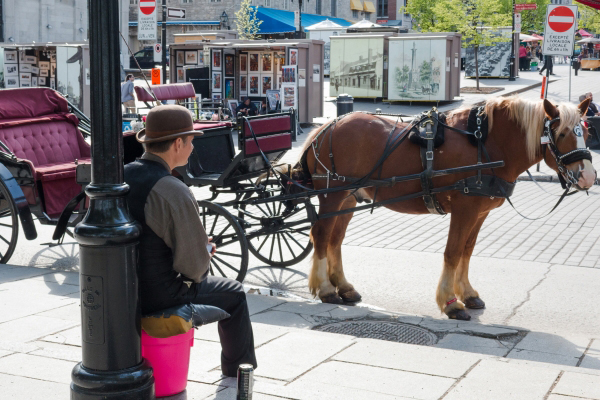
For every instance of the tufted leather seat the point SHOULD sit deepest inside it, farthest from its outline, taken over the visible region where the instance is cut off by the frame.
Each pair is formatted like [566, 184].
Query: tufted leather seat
[45, 136]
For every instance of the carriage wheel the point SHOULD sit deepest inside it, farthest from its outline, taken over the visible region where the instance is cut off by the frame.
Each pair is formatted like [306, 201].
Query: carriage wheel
[231, 258]
[277, 244]
[9, 224]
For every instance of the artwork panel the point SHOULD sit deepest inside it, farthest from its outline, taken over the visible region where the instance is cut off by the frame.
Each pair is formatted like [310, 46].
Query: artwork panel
[243, 84]
[180, 55]
[216, 81]
[266, 64]
[191, 57]
[253, 62]
[11, 69]
[216, 59]
[180, 75]
[229, 64]
[243, 63]
[254, 85]
[11, 82]
[229, 88]
[356, 67]
[42, 81]
[11, 57]
[44, 72]
[266, 82]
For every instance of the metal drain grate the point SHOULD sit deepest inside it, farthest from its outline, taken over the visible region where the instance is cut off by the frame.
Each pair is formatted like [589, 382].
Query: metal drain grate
[390, 331]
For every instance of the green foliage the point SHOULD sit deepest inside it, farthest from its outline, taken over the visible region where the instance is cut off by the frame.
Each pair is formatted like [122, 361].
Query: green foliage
[532, 21]
[469, 17]
[590, 18]
[422, 12]
[247, 22]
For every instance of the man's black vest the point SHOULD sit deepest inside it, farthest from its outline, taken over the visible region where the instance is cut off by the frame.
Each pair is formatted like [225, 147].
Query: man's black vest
[160, 284]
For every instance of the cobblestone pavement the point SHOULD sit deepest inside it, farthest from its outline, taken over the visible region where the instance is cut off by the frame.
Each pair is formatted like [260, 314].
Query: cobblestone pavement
[569, 236]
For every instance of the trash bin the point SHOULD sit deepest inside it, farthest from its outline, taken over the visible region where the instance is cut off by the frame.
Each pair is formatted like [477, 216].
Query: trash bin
[593, 141]
[345, 104]
[534, 65]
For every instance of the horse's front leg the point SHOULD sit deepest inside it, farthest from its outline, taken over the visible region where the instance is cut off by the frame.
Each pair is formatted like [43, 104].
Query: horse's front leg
[463, 219]
[462, 287]
[334, 255]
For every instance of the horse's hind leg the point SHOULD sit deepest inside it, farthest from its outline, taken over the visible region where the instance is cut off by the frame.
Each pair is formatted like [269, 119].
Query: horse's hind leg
[462, 286]
[318, 279]
[334, 255]
[463, 219]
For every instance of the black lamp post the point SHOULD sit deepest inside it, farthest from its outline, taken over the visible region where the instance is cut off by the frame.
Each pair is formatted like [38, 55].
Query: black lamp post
[112, 366]
[300, 33]
[512, 46]
[224, 19]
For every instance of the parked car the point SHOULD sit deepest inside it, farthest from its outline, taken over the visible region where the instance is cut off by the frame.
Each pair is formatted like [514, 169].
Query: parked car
[145, 58]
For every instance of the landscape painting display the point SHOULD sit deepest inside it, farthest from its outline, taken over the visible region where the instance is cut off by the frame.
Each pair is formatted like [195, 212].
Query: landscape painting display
[493, 61]
[417, 70]
[356, 67]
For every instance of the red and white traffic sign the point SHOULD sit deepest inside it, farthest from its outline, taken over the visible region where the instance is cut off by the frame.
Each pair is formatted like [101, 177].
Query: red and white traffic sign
[157, 52]
[147, 25]
[147, 6]
[559, 30]
[561, 19]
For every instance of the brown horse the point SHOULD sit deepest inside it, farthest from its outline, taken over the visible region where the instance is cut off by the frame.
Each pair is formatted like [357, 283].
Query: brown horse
[516, 127]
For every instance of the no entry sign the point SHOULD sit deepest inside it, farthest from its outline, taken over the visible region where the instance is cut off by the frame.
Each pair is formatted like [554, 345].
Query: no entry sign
[559, 31]
[147, 20]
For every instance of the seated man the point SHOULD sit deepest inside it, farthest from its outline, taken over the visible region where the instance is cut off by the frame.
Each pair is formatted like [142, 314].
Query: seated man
[174, 251]
[247, 108]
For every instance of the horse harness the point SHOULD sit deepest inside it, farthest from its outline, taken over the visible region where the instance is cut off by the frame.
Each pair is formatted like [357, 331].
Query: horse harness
[427, 130]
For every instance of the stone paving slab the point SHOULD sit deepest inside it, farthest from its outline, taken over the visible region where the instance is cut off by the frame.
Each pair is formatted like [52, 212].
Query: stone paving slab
[473, 344]
[21, 388]
[495, 379]
[578, 385]
[592, 358]
[407, 357]
[36, 367]
[543, 357]
[315, 347]
[379, 380]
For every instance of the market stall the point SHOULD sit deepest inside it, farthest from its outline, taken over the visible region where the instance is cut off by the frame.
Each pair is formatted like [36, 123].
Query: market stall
[590, 50]
[64, 67]
[323, 31]
[288, 71]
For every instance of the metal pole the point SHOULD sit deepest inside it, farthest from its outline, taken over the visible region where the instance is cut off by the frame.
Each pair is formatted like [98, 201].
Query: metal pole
[570, 71]
[512, 46]
[112, 366]
[547, 58]
[163, 40]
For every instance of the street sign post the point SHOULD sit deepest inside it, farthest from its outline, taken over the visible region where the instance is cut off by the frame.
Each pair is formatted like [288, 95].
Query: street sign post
[517, 23]
[526, 6]
[157, 52]
[147, 20]
[559, 31]
[175, 13]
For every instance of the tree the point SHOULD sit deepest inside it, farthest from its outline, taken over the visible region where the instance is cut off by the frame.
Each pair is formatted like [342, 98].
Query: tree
[478, 21]
[247, 22]
[533, 20]
[422, 12]
[590, 18]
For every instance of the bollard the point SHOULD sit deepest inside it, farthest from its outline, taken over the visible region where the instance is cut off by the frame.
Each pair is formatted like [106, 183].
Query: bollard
[345, 104]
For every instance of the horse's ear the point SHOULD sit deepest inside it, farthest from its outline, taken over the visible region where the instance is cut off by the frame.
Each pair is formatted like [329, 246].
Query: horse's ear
[583, 106]
[551, 110]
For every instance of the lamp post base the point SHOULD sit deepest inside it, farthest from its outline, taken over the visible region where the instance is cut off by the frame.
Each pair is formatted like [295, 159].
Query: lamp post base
[135, 383]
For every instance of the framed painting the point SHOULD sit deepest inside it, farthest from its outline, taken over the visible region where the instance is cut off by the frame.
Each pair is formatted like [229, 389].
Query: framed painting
[216, 81]
[253, 59]
[229, 64]
[243, 85]
[44, 64]
[25, 68]
[233, 105]
[44, 72]
[11, 69]
[266, 64]
[200, 57]
[253, 85]
[266, 83]
[42, 81]
[243, 63]
[191, 57]
[229, 88]
[216, 59]
[10, 57]
[292, 56]
[180, 75]
[216, 97]
[12, 82]
[180, 58]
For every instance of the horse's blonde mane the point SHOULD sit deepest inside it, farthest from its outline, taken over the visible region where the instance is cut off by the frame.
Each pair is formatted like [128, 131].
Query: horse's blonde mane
[529, 115]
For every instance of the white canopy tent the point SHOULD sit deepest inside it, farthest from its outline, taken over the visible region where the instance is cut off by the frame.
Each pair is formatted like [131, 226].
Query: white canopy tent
[364, 24]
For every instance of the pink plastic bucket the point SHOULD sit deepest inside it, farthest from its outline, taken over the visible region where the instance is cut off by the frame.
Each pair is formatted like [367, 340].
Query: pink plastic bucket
[170, 360]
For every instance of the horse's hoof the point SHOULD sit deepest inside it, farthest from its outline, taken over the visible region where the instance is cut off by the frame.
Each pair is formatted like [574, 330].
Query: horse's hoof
[351, 296]
[332, 298]
[474, 303]
[461, 315]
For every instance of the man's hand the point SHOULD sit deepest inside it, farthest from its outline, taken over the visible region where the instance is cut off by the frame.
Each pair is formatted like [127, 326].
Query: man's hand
[212, 246]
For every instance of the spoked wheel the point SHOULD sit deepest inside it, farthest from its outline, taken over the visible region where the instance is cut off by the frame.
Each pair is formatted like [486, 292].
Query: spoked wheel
[271, 230]
[231, 258]
[9, 224]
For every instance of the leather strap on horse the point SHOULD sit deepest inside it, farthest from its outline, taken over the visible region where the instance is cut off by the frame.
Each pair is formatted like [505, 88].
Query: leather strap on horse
[430, 124]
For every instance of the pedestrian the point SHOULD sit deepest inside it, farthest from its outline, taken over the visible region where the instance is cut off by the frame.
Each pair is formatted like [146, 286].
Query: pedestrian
[522, 57]
[576, 64]
[547, 65]
[127, 94]
[174, 250]
[593, 105]
[247, 108]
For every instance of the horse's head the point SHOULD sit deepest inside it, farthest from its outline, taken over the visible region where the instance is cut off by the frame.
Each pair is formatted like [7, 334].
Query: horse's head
[564, 145]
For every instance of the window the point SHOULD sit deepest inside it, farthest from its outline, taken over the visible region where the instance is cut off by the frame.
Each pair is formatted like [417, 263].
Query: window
[354, 14]
[368, 16]
[334, 8]
[286, 4]
[133, 2]
[267, 3]
[186, 1]
[318, 7]
[382, 8]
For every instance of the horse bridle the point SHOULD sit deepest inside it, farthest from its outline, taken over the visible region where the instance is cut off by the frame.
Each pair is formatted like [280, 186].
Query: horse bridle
[566, 177]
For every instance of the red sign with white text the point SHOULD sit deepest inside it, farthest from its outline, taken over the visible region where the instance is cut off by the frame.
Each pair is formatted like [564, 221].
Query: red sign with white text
[525, 6]
[147, 6]
[561, 19]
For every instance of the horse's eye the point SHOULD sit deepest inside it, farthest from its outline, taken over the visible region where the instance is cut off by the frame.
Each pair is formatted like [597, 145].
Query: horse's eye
[562, 135]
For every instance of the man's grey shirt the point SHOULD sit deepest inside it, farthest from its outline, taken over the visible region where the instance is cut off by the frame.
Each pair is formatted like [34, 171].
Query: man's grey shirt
[127, 91]
[172, 212]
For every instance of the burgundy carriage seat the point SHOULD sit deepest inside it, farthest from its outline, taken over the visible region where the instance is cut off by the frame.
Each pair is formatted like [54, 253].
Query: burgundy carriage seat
[35, 124]
[171, 91]
[273, 134]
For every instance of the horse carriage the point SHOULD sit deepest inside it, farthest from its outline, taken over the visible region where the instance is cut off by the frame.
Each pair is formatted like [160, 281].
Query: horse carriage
[255, 204]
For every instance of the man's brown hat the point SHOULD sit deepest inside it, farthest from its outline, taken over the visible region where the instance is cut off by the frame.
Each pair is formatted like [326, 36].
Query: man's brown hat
[166, 123]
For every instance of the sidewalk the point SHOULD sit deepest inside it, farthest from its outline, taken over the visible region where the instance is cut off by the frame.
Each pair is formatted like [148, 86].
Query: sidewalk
[40, 343]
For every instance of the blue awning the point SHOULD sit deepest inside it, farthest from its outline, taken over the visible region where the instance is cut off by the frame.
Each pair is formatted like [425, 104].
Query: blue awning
[281, 21]
[134, 23]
